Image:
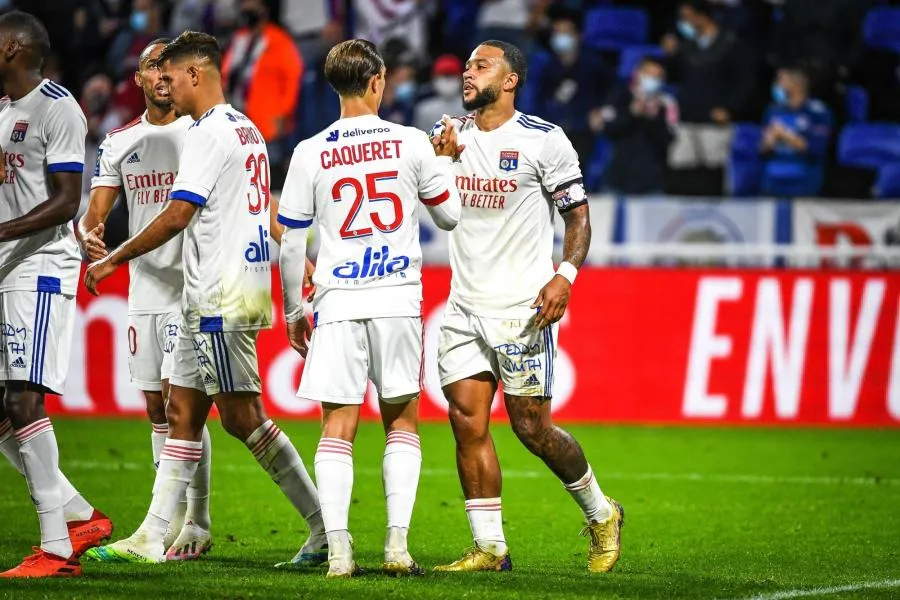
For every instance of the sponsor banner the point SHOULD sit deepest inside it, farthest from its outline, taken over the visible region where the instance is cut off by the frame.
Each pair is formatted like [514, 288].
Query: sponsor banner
[435, 242]
[667, 220]
[854, 223]
[637, 345]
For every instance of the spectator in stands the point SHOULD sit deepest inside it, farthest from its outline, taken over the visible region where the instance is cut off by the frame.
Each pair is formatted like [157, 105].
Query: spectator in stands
[261, 72]
[316, 26]
[507, 20]
[400, 91]
[639, 119]
[796, 137]
[715, 74]
[567, 82]
[710, 64]
[824, 37]
[211, 16]
[379, 21]
[446, 83]
[144, 24]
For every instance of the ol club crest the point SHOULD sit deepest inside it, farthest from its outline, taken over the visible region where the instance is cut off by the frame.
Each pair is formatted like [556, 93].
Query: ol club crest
[509, 160]
[18, 132]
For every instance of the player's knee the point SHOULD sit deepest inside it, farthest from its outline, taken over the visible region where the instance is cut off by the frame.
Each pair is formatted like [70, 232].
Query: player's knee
[237, 425]
[467, 426]
[23, 406]
[156, 408]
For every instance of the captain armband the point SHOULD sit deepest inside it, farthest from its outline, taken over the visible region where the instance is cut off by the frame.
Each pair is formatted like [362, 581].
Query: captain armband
[569, 196]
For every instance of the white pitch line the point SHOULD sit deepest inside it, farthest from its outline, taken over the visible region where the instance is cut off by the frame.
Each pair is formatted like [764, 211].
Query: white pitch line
[96, 465]
[827, 591]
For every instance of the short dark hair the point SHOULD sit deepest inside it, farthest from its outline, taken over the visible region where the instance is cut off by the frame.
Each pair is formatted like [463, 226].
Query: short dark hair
[514, 58]
[798, 72]
[29, 27]
[158, 41]
[651, 60]
[194, 44]
[350, 65]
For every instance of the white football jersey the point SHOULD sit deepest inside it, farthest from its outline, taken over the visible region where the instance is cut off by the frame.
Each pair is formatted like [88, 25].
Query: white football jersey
[141, 159]
[501, 252]
[41, 133]
[224, 169]
[362, 179]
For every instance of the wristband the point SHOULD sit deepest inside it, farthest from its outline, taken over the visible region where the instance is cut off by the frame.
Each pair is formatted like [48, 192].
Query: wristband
[567, 270]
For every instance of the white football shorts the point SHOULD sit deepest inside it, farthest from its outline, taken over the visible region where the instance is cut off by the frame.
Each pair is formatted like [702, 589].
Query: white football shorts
[344, 355]
[151, 348]
[36, 337]
[513, 350]
[216, 362]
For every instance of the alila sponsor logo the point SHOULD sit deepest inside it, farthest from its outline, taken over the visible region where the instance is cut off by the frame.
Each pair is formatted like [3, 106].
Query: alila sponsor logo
[374, 263]
[257, 252]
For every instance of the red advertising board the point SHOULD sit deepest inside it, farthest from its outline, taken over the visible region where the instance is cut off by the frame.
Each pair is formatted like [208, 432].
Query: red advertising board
[637, 345]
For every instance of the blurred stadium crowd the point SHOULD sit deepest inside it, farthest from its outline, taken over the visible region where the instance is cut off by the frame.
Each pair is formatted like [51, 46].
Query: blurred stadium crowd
[695, 97]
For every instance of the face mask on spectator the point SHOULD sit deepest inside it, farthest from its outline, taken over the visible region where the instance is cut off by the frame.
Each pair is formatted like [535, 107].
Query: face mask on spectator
[563, 43]
[405, 92]
[251, 17]
[649, 84]
[446, 86]
[779, 94]
[686, 29]
[139, 20]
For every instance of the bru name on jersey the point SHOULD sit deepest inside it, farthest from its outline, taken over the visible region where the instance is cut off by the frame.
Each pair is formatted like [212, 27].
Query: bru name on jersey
[248, 135]
[374, 263]
[360, 153]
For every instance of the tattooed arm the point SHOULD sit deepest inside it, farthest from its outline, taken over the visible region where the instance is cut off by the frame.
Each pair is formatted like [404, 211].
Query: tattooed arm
[554, 297]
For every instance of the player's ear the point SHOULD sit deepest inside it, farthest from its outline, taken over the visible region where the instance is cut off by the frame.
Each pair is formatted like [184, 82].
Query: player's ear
[193, 72]
[138, 81]
[510, 82]
[11, 48]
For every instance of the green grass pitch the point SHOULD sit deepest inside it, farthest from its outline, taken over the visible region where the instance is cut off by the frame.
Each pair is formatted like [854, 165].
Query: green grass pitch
[710, 513]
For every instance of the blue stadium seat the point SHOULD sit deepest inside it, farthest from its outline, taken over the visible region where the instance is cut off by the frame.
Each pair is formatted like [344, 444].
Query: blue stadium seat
[633, 55]
[857, 104]
[745, 166]
[615, 28]
[881, 28]
[595, 174]
[869, 145]
[888, 183]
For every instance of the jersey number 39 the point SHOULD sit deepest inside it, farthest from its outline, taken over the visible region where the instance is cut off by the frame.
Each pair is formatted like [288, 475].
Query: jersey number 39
[372, 194]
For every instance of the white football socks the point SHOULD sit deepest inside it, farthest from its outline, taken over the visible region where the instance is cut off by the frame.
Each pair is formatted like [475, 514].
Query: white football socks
[40, 460]
[586, 492]
[197, 493]
[334, 477]
[486, 522]
[275, 453]
[178, 463]
[157, 440]
[75, 507]
[400, 473]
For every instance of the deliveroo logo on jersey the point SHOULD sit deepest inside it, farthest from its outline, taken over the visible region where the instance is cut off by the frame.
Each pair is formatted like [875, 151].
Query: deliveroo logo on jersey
[374, 263]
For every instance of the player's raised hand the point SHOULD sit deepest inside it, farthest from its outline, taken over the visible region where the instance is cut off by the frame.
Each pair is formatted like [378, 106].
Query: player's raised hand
[298, 334]
[93, 245]
[446, 140]
[552, 301]
[97, 272]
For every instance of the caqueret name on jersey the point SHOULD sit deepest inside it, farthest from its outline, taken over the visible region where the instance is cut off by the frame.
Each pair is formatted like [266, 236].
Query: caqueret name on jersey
[361, 153]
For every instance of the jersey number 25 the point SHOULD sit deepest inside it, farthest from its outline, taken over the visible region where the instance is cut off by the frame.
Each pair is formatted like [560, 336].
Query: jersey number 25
[372, 194]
